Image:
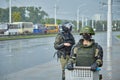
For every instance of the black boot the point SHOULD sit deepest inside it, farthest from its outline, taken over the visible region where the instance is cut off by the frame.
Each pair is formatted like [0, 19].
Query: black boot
[63, 74]
[100, 77]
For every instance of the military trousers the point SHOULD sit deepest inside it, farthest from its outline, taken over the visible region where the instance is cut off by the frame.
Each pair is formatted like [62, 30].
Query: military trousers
[64, 61]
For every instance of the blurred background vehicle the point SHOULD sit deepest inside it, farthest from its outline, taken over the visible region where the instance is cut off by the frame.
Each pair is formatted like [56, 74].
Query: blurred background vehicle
[3, 28]
[39, 29]
[52, 28]
[17, 28]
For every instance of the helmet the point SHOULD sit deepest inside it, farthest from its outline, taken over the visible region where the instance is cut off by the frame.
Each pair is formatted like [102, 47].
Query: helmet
[87, 29]
[67, 27]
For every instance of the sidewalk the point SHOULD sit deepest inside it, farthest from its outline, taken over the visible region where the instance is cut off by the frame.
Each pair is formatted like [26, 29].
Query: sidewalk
[47, 71]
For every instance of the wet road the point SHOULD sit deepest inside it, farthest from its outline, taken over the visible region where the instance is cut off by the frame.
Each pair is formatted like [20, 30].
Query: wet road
[32, 59]
[17, 55]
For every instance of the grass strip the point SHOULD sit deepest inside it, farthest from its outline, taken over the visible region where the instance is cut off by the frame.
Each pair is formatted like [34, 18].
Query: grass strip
[118, 36]
[25, 37]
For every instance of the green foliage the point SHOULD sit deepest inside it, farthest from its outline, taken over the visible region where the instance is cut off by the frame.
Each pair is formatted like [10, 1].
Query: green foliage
[34, 14]
[16, 16]
[118, 36]
[59, 21]
[4, 15]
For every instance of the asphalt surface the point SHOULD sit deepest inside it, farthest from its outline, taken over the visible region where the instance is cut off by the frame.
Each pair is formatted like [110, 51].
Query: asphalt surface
[33, 59]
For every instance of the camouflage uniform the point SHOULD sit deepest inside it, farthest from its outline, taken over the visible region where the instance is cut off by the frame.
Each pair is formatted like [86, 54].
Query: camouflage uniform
[63, 52]
[87, 55]
[86, 52]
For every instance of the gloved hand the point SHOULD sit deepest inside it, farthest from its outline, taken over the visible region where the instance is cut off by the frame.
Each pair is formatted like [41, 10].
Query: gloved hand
[70, 66]
[94, 66]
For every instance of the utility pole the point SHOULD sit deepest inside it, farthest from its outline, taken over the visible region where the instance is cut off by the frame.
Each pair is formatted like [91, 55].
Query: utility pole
[82, 21]
[9, 11]
[86, 23]
[109, 25]
[109, 39]
[92, 23]
[78, 19]
[103, 27]
[55, 13]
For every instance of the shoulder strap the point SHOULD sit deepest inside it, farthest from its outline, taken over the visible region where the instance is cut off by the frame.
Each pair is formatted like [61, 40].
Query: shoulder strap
[62, 34]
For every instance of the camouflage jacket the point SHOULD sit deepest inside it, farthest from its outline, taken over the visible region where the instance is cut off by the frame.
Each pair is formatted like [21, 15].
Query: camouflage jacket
[62, 38]
[85, 56]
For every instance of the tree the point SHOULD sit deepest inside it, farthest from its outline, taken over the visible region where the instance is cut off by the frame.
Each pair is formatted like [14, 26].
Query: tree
[16, 17]
[4, 15]
[36, 15]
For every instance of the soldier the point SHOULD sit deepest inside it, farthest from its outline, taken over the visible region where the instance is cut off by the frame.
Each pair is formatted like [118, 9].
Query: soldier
[63, 44]
[86, 52]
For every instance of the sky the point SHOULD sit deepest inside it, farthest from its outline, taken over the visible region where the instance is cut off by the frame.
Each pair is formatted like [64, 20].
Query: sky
[66, 9]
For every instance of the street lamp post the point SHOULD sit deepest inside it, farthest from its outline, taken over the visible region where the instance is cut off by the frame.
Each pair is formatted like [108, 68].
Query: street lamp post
[109, 25]
[9, 11]
[86, 21]
[92, 23]
[55, 14]
[78, 16]
[78, 19]
[82, 21]
[109, 39]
